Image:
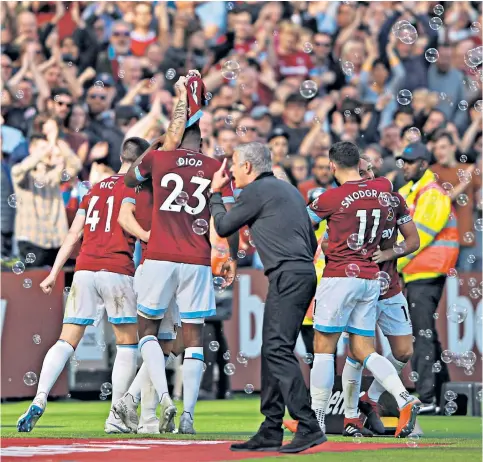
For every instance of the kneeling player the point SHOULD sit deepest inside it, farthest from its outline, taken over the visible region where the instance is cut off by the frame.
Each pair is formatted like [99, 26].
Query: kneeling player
[103, 280]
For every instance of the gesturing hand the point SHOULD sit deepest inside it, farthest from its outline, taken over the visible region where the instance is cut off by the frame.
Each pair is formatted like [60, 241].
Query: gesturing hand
[220, 178]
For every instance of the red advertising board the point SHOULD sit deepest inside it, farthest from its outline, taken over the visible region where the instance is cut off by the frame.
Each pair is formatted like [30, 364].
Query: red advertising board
[244, 330]
[26, 312]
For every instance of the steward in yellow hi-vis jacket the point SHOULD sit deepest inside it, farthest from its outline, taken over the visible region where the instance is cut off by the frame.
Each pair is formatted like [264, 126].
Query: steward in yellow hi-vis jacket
[424, 271]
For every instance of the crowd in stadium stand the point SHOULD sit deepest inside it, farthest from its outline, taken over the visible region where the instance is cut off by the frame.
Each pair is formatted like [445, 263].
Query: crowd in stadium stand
[77, 77]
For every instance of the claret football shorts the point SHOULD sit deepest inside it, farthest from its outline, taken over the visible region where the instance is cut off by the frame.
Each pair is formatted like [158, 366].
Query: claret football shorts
[189, 286]
[93, 292]
[393, 316]
[171, 320]
[346, 305]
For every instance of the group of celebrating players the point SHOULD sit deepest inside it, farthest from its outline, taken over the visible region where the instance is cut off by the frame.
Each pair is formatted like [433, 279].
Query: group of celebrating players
[160, 196]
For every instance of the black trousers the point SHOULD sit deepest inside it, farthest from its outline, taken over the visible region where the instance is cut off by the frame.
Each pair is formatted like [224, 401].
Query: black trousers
[213, 330]
[423, 299]
[43, 257]
[289, 295]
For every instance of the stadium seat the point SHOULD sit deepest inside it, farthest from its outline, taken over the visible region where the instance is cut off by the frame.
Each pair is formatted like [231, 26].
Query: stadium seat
[467, 397]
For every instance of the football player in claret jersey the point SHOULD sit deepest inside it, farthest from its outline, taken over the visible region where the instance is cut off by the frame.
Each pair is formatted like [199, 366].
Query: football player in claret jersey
[178, 261]
[392, 316]
[346, 298]
[103, 280]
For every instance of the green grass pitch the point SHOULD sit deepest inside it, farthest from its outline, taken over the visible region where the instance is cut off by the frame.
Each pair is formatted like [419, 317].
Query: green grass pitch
[239, 418]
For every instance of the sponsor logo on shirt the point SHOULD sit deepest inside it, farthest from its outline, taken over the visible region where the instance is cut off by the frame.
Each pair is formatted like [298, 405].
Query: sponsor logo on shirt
[387, 233]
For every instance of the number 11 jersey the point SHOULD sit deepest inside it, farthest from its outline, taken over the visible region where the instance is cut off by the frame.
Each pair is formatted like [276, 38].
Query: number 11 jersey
[105, 245]
[181, 216]
[356, 213]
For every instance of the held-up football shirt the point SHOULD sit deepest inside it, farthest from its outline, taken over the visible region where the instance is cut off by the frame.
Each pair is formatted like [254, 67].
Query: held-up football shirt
[106, 246]
[180, 214]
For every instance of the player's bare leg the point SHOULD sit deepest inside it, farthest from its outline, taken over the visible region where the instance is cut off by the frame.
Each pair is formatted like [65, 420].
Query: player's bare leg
[362, 349]
[322, 374]
[401, 352]
[192, 370]
[123, 372]
[54, 363]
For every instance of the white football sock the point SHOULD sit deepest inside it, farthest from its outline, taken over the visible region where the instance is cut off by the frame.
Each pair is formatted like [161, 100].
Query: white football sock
[124, 370]
[54, 363]
[149, 397]
[192, 373]
[137, 384]
[376, 389]
[321, 384]
[385, 373]
[154, 360]
[351, 386]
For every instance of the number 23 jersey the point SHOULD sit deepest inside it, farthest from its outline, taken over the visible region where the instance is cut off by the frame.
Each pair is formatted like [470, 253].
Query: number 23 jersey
[356, 213]
[106, 246]
[181, 216]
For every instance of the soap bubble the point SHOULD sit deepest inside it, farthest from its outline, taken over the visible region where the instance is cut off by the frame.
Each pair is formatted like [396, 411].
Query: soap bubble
[230, 70]
[307, 47]
[354, 243]
[241, 254]
[348, 68]
[456, 313]
[12, 201]
[413, 376]
[249, 388]
[36, 339]
[106, 388]
[308, 89]
[200, 226]
[241, 358]
[438, 9]
[352, 270]
[463, 105]
[413, 440]
[170, 74]
[214, 346]
[435, 23]
[27, 283]
[18, 267]
[404, 97]
[30, 379]
[446, 356]
[229, 369]
[182, 198]
[408, 34]
[431, 55]
[308, 358]
[413, 135]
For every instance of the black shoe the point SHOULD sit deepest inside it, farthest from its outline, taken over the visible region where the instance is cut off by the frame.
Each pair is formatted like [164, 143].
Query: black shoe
[304, 440]
[354, 427]
[258, 443]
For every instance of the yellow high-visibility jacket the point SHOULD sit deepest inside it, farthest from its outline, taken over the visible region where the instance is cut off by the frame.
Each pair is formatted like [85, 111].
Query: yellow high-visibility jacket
[439, 244]
[319, 262]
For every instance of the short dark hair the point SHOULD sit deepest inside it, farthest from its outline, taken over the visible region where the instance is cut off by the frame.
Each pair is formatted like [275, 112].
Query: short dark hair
[380, 62]
[59, 91]
[441, 134]
[403, 110]
[132, 148]
[192, 134]
[345, 154]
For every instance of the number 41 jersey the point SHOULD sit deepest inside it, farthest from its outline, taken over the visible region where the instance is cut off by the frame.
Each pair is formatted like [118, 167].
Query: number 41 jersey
[105, 246]
[181, 216]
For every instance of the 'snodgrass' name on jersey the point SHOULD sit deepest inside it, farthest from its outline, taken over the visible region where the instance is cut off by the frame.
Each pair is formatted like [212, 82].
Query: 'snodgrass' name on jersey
[362, 194]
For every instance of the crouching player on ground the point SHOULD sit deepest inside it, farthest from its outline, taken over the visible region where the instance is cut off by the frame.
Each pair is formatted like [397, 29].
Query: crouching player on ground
[103, 280]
